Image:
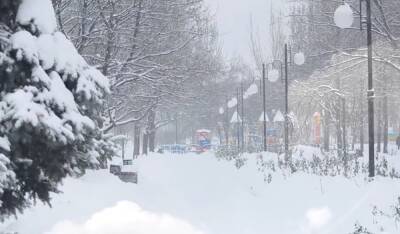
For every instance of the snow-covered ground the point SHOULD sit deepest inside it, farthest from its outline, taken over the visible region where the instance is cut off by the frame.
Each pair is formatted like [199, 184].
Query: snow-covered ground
[196, 194]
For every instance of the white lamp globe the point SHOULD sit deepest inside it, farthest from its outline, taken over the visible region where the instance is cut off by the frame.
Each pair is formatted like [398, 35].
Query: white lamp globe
[299, 59]
[221, 110]
[273, 75]
[344, 16]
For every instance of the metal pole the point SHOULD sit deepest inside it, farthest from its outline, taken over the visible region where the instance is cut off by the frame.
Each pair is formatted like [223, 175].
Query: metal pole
[176, 128]
[264, 108]
[286, 104]
[242, 113]
[370, 94]
[344, 128]
[237, 120]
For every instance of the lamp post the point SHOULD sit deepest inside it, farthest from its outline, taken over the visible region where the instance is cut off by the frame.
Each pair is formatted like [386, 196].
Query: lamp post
[238, 103]
[344, 19]
[272, 75]
[286, 105]
[176, 128]
[238, 127]
[299, 60]
[264, 108]
[221, 127]
[242, 113]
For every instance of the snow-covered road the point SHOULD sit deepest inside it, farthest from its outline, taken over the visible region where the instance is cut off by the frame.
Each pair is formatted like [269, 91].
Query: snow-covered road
[199, 194]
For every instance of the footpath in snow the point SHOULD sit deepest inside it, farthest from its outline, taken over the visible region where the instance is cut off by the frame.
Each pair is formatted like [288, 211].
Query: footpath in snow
[200, 194]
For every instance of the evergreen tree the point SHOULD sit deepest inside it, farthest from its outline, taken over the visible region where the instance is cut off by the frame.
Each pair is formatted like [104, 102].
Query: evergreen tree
[50, 106]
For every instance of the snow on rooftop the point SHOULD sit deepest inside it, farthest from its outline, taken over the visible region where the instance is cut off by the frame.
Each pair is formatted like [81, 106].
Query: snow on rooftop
[261, 119]
[279, 117]
[203, 130]
[236, 118]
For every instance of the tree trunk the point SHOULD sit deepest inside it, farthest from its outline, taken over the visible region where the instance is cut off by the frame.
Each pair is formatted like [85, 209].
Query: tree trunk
[152, 141]
[386, 125]
[219, 130]
[326, 133]
[361, 136]
[151, 138]
[338, 121]
[145, 143]
[226, 127]
[123, 149]
[361, 119]
[136, 141]
[338, 132]
[353, 139]
[379, 127]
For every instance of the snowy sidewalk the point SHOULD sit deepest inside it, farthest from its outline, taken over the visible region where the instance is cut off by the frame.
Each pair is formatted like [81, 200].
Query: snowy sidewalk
[203, 195]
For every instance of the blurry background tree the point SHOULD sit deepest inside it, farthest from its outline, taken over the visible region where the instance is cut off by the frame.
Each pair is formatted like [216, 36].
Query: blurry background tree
[336, 70]
[160, 57]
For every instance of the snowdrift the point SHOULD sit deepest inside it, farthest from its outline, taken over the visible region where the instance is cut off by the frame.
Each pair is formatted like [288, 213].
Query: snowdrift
[201, 194]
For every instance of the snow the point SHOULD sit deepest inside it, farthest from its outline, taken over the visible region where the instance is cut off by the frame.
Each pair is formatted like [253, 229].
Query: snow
[344, 16]
[236, 118]
[55, 50]
[47, 50]
[317, 218]
[212, 196]
[51, 55]
[261, 119]
[126, 218]
[4, 144]
[25, 43]
[299, 58]
[279, 117]
[38, 12]
[203, 131]
[253, 89]
[273, 75]
[232, 103]
[25, 106]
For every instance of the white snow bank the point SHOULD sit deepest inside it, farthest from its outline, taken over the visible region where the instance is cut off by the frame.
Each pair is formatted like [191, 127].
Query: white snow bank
[317, 218]
[217, 198]
[126, 218]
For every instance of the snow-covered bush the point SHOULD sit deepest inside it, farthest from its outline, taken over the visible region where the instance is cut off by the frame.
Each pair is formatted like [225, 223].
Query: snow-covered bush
[50, 106]
[227, 152]
[325, 164]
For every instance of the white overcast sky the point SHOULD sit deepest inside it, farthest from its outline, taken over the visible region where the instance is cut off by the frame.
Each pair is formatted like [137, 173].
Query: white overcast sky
[233, 18]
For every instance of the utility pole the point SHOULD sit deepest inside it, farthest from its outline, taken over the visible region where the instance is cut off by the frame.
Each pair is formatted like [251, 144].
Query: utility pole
[264, 108]
[286, 105]
[370, 94]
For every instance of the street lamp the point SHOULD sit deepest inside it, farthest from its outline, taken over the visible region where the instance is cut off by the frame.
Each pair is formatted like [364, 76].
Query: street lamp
[238, 102]
[272, 76]
[221, 111]
[344, 16]
[298, 59]
[343, 20]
